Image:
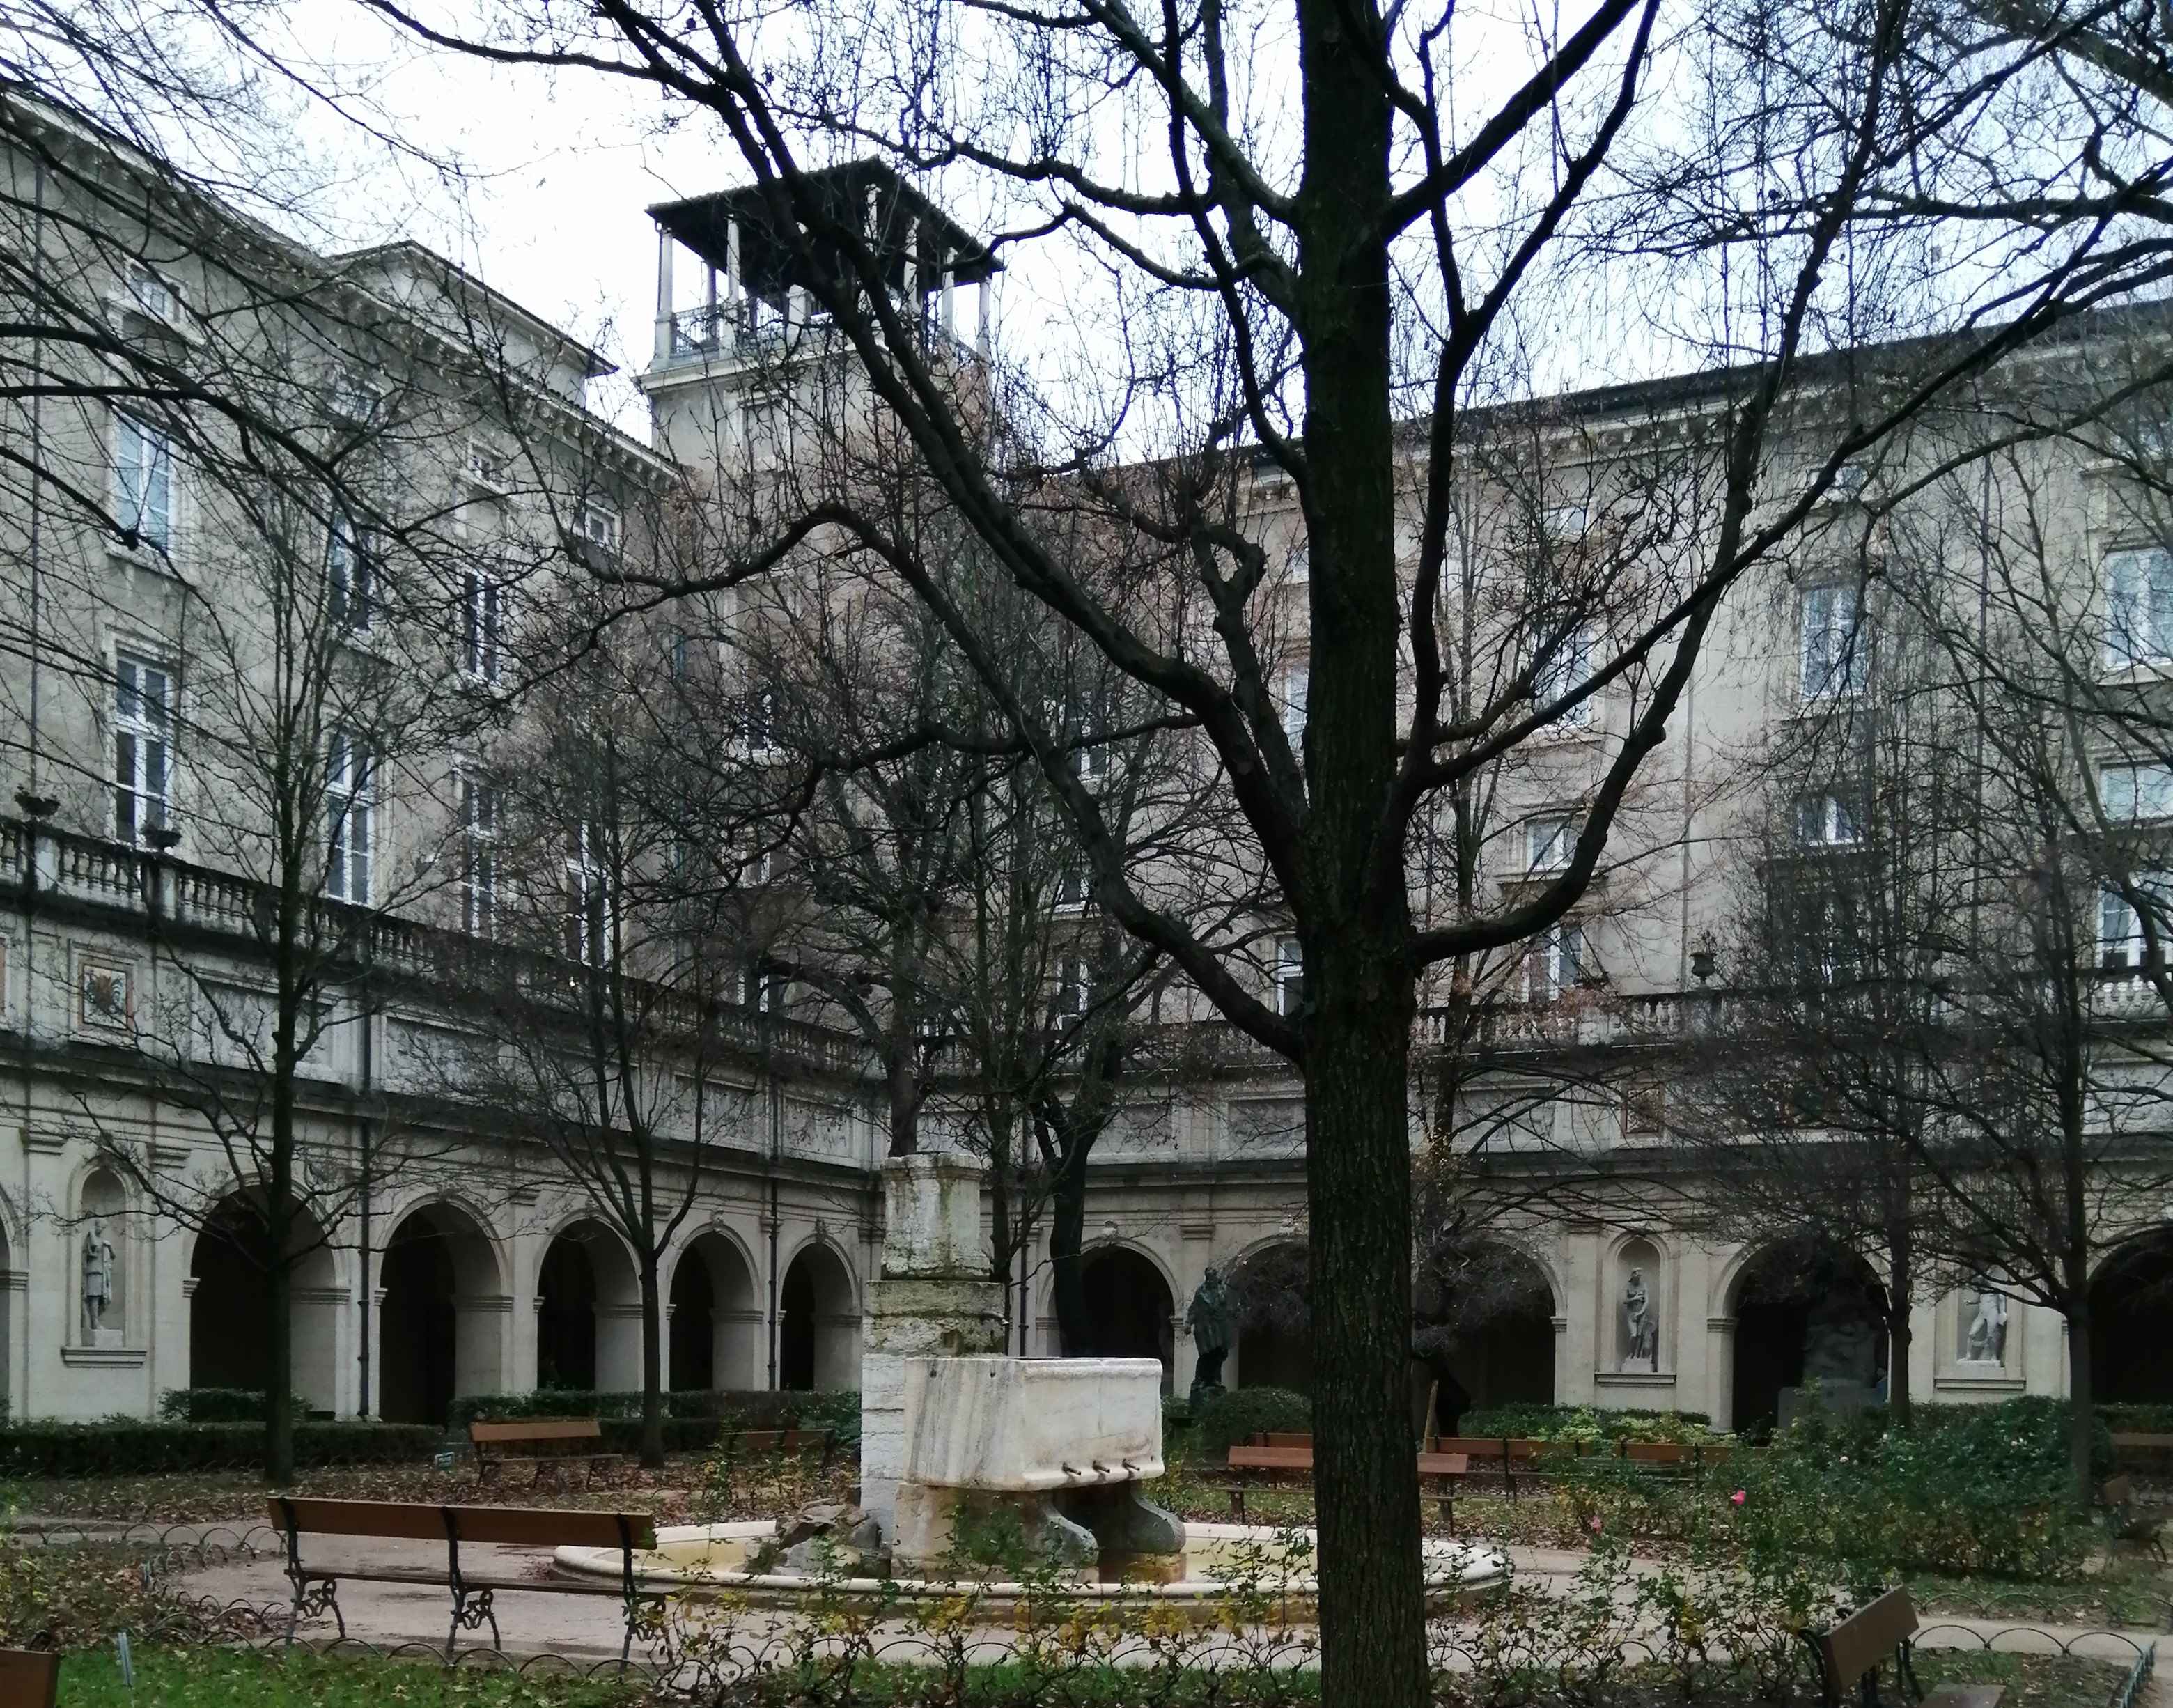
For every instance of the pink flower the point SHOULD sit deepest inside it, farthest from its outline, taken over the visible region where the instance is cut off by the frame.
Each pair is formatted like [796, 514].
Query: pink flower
[1595, 1524]
[1736, 1498]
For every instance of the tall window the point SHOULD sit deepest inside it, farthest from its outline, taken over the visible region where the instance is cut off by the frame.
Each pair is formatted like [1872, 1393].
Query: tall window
[1555, 962]
[143, 483]
[478, 857]
[1830, 645]
[1074, 984]
[2120, 932]
[352, 591]
[2138, 607]
[1825, 821]
[142, 745]
[1073, 890]
[2132, 793]
[350, 808]
[761, 988]
[596, 527]
[1549, 842]
[1296, 691]
[588, 896]
[1290, 976]
[1567, 668]
[482, 627]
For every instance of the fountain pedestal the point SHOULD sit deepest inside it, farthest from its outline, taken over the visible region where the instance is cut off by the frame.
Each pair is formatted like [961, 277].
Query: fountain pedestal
[1013, 1462]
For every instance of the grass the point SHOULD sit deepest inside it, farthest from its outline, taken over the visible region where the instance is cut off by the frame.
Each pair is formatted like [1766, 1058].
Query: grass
[244, 1678]
[2130, 1592]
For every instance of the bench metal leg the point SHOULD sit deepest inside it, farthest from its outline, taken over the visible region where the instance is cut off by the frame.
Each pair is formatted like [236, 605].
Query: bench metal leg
[314, 1597]
[472, 1608]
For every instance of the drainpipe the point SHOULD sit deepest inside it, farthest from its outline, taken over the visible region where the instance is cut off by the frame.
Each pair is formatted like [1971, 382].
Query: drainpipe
[367, 1135]
[776, 1143]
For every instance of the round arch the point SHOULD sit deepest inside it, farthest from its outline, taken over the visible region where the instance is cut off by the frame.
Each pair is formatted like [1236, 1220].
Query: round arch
[1274, 1320]
[2132, 1322]
[1485, 1332]
[1804, 1310]
[1131, 1306]
[716, 1313]
[588, 1309]
[818, 1320]
[441, 1328]
[230, 1306]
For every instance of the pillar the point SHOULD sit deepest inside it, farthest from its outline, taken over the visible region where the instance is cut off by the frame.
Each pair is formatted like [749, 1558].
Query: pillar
[663, 295]
[934, 1296]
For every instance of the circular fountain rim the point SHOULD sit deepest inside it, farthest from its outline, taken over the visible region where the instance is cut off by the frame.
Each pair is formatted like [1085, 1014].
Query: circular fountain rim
[606, 1562]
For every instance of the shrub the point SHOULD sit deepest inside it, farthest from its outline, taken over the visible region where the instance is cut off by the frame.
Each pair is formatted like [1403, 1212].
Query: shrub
[694, 1418]
[1552, 1423]
[220, 1405]
[2154, 1420]
[1237, 1415]
[130, 1448]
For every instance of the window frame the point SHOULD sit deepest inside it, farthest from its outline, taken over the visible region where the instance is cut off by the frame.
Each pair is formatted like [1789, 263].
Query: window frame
[1563, 843]
[154, 464]
[1553, 962]
[1567, 669]
[484, 602]
[145, 736]
[350, 589]
[480, 808]
[2150, 640]
[351, 819]
[1287, 977]
[2134, 792]
[1841, 669]
[1836, 826]
[588, 921]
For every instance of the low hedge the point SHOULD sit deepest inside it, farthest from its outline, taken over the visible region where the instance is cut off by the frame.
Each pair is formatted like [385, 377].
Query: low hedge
[1227, 1419]
[1553, 1422]
[2144, 1419]
[128, 1448]
[220, 1405]
[694, 1418]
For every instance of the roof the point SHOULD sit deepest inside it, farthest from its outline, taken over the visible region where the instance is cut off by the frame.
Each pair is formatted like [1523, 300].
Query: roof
[451, 273]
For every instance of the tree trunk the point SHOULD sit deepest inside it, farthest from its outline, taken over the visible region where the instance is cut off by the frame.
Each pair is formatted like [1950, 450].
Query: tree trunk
[1067, 1233]
[279, 1378]
[2082, 1401]
[1900, 1331]
[1372, 1609]
[652, 1367]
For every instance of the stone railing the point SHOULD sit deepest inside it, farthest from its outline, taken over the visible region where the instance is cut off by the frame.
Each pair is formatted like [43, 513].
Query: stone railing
[135, 888]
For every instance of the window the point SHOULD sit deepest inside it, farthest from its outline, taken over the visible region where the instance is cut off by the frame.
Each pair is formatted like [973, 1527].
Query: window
[482, 632]
[1825, 821]
[478, 857]
[1073, 890]
[596, 528]
[1297, 690]
[758, 721]
[485, 467]
[1828, 636]
[143, 484]
[2138, 607]
[351, 582]
[2131, 794]
[2120, 932]
[1556, 960]
[588, 896]
[150, 294]
[1297, 566]
[349, 802]
[763, 987]
[1290, 976]
[1075, 985]
[355, 397]
[143, 746]
[1565, 521]
[1549, 843]
[1566, 669]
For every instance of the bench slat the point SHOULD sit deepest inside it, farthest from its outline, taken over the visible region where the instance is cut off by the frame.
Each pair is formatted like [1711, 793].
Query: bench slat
[531, 1527]
[29, 1678]
[1867, 1637]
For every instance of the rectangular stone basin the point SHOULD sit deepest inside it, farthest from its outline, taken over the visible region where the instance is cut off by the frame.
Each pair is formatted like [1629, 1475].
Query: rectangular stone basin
[1028, 1423]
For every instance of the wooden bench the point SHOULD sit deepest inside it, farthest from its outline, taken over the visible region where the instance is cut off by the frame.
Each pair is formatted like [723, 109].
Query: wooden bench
[2143, 1444]
[1491, 1454]
[30, 1677]
[737, 1446]
[316, 1587]
[1851, 1652]
[546, 1443]
[2125, 1522]
[1278, 1461]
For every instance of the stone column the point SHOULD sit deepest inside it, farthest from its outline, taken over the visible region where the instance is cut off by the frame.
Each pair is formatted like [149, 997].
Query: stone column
[933, 1297]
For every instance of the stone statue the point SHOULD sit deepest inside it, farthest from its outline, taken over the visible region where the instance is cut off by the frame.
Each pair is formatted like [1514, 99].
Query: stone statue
[1640, 1326]
[1987, 1332]
[1208, 1317]
[97, 1258]
[1841, 1344]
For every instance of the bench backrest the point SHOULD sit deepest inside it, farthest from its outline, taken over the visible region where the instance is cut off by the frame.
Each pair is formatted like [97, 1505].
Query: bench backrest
[2133, 1438]
[1477, 1446]
[1287, 1438]
[538, 1430]
[29, 1678]
[1866, 1637]
[532, 1526]
[1271, 1458]
[804, 1441]
[1657, 1453]
[1443, 1464]
[2118, 1492]
[757, 1441]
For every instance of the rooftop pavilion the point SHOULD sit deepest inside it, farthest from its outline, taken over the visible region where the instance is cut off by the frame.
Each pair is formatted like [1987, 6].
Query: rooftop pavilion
[730, 282]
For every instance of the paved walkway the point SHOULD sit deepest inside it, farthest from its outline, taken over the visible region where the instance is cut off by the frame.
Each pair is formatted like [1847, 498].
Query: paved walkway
[588, 1627]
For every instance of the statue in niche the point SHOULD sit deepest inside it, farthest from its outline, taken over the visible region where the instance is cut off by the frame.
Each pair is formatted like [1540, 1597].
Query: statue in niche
[1208, 1317]
[1986, 1342]
[97, 1262]
[1640, 1327]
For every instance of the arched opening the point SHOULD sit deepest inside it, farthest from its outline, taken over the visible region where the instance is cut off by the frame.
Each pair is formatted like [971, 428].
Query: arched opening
[440, 1331]
[2132, 1322]
[1129, 1308]
[818, 1329]
[1805, 1310]
[1274, 1320]
[716, 1322]
[588, 1313]
[230, 1305]
[1486, 1333]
